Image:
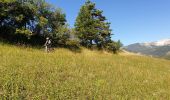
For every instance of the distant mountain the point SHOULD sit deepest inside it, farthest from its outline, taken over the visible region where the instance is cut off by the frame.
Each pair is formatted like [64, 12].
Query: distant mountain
[158, 49]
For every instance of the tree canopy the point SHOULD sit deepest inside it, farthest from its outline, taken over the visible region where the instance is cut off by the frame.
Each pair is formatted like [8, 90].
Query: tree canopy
[92, 27]
[32, 21]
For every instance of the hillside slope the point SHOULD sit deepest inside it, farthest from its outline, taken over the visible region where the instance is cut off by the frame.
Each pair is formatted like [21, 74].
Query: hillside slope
[27, 73]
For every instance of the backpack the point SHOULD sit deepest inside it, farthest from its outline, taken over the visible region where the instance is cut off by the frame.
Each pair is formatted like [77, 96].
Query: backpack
[49, 42]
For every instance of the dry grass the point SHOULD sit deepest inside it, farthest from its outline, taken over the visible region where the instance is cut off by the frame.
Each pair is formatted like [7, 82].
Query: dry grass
[27, 73]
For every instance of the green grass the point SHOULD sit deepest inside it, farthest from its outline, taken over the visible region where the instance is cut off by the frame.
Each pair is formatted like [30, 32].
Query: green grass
[27, 73]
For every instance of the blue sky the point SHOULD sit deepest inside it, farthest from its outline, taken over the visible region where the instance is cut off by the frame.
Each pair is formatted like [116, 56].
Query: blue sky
[131, 20]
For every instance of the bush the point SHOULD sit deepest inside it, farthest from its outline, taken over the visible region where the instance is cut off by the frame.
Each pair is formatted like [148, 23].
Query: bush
[72, 44]
[114, 46]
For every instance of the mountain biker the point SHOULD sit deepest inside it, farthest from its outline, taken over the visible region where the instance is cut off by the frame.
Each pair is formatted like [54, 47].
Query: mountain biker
[47, 44]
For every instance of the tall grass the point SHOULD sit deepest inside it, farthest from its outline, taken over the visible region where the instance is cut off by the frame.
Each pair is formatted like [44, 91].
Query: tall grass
[27, 73]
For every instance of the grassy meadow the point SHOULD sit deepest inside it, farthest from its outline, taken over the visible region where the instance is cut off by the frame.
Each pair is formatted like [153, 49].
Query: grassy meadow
[32, 74]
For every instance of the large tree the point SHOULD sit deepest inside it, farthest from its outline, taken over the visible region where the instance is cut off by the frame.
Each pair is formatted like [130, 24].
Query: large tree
[14, 16]
[33, 18]
[91, 26]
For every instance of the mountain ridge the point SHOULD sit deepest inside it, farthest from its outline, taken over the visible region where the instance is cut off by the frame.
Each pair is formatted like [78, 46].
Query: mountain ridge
[158, 48]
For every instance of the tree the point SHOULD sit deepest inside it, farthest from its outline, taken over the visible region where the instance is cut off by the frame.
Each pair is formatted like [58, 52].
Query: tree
[114, 46]
[14, 17]
[84, 25]
[91, 26]
[33, 18]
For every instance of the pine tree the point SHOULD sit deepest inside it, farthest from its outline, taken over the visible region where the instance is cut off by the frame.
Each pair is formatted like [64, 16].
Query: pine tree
[91, 26]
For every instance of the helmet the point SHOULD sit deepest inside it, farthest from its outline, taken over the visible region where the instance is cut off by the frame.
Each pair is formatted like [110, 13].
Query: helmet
[47, 38]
